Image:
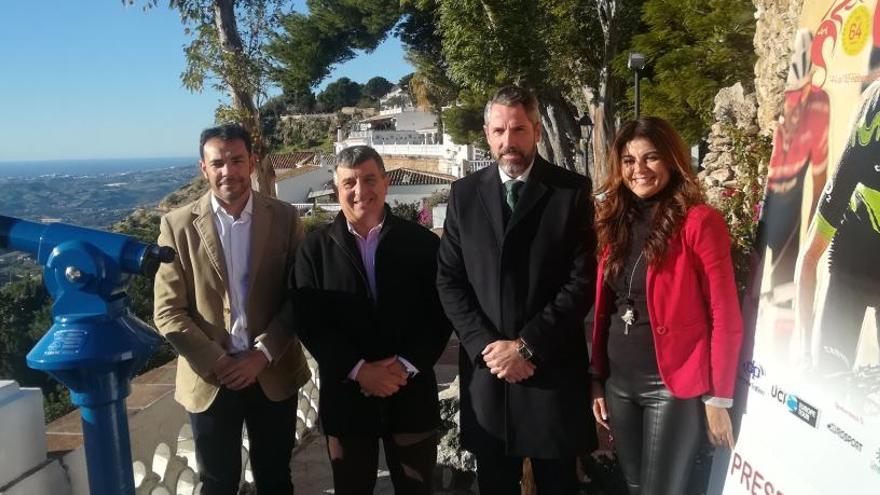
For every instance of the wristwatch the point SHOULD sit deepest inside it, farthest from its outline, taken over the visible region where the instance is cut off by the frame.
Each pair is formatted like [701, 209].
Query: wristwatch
[523, 350]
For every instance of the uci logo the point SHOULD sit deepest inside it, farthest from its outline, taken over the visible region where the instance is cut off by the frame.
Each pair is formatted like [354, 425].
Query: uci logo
[753, 370]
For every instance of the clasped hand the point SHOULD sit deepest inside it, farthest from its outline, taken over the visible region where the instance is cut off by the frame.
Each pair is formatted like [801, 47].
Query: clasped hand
[382, 378]
[240, 371]
[503, 361]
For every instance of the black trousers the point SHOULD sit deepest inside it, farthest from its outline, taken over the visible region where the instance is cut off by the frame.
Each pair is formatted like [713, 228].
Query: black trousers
[500, 474]
[271, 434]
[411, 458]
[656, 435]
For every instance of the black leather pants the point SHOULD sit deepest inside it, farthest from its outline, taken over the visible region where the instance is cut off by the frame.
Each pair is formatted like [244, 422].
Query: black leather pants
[656, 435]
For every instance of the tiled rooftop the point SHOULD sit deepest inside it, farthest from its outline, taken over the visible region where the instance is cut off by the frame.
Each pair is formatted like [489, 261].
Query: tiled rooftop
[410, 177]
[286, 161]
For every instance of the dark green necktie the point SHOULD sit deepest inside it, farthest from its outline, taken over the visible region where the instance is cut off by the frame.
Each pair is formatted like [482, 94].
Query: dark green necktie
[511, 189]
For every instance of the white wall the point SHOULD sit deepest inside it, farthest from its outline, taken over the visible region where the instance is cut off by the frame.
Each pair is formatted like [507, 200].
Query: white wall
[438, 215]
[414, 121]
[296, 189]
[412, 194]
[24, 468]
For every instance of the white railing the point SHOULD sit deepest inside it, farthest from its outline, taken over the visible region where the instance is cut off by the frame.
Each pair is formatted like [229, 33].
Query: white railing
[305, 209]
[471, 166]
[172, 466]
[379, 138]
[162, 446]
[410, 149]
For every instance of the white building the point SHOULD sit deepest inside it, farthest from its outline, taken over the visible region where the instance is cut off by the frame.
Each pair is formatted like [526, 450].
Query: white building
[40, 459]
[406, 186]
[395, 101]
[400, 131]
[412, 186]
[295, 186]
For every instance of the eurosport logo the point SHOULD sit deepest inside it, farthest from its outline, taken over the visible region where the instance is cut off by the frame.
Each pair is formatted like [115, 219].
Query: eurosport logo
[846, 437]
[797, 406]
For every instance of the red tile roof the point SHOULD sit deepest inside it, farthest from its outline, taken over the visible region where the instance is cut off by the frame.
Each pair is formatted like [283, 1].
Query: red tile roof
[284, 161]
[410, 177]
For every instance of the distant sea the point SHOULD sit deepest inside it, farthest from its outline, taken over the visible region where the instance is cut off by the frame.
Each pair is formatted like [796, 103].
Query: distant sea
[91, 167]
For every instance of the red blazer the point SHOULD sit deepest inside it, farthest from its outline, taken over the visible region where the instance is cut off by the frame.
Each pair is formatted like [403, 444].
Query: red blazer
[693, 309]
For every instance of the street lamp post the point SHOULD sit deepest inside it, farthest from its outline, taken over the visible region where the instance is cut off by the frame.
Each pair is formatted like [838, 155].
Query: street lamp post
[636, 63]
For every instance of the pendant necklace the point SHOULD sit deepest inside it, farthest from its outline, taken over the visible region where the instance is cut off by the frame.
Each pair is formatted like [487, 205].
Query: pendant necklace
[630, 316]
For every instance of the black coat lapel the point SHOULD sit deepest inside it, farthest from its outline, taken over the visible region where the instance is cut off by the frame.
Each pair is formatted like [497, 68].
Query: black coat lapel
[490, 197]
[532, 192]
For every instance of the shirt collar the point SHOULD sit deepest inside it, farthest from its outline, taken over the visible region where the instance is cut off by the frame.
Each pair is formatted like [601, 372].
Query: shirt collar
[375, 229]
[523, 177]
[245, 213]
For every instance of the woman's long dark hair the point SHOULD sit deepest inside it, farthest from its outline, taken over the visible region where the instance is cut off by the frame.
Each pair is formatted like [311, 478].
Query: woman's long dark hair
[616, 210]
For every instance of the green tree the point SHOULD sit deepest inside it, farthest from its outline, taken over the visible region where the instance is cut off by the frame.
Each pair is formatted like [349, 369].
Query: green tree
[405, 81]
[563, 52]
[486, 44]
[377, 87]
[464, 122]
[306, 132]
[407, 211]
[429, 86]
[227, 52]
[693, 48]
[340, 93]
[22, 303]
[302, 101]
[584, 38]
[270, 117]
[561, 48]
[333, 31]
[25, 315]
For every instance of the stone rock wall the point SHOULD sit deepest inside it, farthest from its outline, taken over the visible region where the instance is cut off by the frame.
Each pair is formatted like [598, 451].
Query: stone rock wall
[455, 473]
[733, 110]
[757, 113]
[776, 24]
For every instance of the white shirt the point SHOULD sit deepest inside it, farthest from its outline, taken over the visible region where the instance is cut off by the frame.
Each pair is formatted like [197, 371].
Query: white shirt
[235, 239]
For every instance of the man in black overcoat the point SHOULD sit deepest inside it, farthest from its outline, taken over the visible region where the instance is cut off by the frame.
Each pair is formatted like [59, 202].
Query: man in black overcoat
[369, 313]
[516, 276]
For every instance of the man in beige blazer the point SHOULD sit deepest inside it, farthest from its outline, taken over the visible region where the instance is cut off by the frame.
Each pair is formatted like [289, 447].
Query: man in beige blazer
[224, 305]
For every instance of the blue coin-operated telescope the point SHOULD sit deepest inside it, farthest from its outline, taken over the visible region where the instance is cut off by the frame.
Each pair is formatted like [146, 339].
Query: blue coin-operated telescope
[95, 344]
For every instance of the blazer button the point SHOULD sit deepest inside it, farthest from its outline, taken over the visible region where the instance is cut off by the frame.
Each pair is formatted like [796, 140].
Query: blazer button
[661, 330]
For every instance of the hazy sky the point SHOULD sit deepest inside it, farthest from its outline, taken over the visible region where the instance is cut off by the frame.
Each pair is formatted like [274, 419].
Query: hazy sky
[96, 79]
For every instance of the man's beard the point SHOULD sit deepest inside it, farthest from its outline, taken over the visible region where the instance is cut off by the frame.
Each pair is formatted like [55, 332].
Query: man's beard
[516, 167]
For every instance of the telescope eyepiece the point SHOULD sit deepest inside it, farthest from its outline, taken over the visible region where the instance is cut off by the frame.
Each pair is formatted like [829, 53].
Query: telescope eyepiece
[153, 256]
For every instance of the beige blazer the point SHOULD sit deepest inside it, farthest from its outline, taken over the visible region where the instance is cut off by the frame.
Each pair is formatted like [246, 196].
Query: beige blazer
[191, 300]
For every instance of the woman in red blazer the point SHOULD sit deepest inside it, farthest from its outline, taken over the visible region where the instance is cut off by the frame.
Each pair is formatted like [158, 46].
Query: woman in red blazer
[668, 329]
